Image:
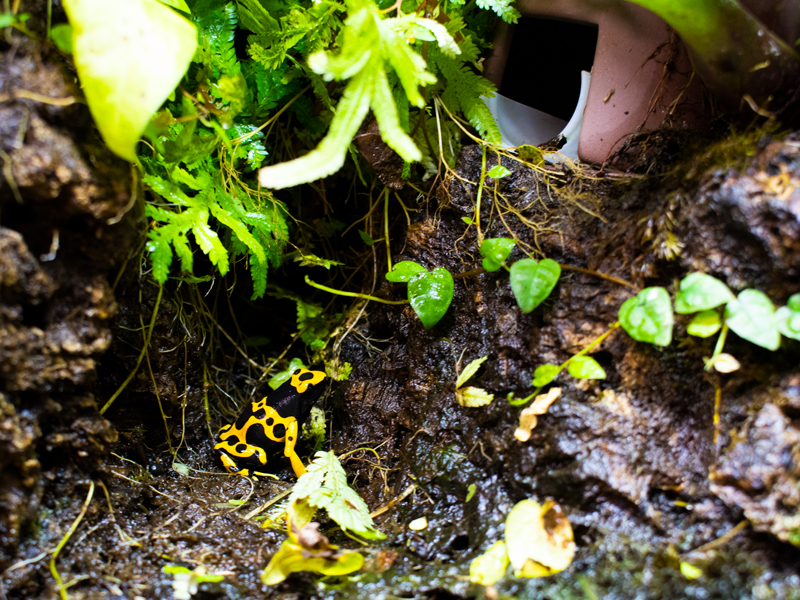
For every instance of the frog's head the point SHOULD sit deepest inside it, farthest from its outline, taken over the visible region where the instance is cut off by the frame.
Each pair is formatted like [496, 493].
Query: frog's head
[298, 394]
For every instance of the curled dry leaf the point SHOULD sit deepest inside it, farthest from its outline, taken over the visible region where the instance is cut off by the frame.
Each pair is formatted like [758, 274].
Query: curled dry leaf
[539, 539]
[528, 417]
[725, 363]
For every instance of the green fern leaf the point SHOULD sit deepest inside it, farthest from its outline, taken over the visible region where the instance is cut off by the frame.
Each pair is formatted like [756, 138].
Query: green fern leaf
[160, 253]
[502, 8]
[329, 156]
[385, 111]
[258, 271]
[208, 240]
[181, 244]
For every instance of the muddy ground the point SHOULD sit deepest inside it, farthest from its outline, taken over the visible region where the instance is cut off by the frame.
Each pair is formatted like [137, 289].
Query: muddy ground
[631, 459]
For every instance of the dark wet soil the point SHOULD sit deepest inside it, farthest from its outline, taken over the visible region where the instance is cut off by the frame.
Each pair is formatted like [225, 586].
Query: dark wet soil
[631, 459]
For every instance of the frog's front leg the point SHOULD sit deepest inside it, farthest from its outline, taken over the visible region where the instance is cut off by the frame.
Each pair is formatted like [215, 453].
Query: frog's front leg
[290, 441]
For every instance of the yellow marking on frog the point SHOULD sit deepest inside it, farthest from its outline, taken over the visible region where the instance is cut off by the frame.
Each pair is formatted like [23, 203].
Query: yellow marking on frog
[238, 435]
[302, 386]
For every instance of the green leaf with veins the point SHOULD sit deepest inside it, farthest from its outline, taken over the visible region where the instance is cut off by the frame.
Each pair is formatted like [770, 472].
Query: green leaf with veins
[585, 367]
[532, 282]
[324, 485]
[788, 318]
[648, 316]
[495, 251]
[498, 172]
[430, 295]
[699, 292]
[405, 271]
[751, 316]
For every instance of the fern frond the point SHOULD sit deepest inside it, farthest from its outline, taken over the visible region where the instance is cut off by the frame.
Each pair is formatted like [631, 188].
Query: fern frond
[385, 111]
[209, 243]
[463, 91]
[502, 8]
[328, 157]
[258, 272]
[160, 252]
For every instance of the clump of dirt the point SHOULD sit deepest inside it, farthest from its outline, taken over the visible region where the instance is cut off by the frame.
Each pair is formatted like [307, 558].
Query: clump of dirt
[59, 197]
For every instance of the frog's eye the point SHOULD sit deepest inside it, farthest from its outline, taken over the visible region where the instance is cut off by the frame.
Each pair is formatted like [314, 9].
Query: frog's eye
[297, 371]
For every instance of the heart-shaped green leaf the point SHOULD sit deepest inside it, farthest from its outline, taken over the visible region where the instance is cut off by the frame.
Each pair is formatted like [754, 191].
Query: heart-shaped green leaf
[648, 316]
[430, 295]
[532, 282]
[751, 316]
[788, 318]
[705, 324]
[130, 55]
[585, 367]
[495, 251]
[701, 292]
[404, 271]
[498, 171]
[544, 374]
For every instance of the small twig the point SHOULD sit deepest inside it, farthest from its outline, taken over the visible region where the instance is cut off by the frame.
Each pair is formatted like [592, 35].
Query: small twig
[268, 503]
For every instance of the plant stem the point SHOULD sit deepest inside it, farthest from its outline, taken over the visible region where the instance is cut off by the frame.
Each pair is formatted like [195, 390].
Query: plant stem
[386, 230]
[141, 354]
[325, 288]
[480, 193]
[718, 348]
[62, 591]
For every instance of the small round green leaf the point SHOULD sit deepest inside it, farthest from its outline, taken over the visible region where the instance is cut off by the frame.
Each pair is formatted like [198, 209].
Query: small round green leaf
[544, 374]
[430, 295]
[751, 316]
[788, 318]
[498, 171]
[405, 271]
[585, 367]
[532, 282]
[648, 316]
[701, 292]
[705, 324]
[495, 251]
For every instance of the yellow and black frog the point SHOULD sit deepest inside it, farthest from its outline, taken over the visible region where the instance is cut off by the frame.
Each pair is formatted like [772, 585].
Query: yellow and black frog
[270, 425]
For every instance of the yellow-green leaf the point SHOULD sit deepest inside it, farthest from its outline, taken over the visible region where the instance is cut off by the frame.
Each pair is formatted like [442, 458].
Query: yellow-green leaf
[470, 370]
[489, 567]
[289, 559]
[130, 55]
[689, 571]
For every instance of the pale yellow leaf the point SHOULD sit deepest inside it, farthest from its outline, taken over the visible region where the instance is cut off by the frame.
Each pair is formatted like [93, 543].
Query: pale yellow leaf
[418, 524]
[473, 397]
